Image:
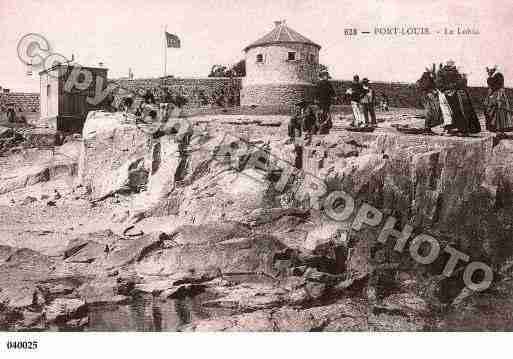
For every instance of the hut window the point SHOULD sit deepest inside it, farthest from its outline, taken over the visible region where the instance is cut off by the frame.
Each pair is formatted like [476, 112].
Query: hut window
[291, 56]
[260, 58]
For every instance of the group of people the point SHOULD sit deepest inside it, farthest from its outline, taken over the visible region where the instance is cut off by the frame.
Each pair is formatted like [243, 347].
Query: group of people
[145, 108]
[311, 118]
[8, 114]
[315, 118]
[363, 102]
[226, 96]
[447, 104]
[446, 101]
[307, 120]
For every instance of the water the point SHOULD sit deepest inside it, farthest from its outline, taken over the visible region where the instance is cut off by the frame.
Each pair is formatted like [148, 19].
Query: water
[487, 311]
[148, 313]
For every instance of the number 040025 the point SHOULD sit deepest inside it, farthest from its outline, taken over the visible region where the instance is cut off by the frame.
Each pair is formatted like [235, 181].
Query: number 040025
[28, 345]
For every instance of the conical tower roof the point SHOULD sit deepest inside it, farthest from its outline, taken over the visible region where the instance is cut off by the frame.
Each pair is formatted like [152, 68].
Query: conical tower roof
[281, 34]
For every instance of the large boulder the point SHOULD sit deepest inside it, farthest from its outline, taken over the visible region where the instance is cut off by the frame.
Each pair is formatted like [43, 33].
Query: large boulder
[110, 146]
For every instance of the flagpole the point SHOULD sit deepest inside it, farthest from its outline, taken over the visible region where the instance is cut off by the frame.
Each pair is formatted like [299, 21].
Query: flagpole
[165, 51]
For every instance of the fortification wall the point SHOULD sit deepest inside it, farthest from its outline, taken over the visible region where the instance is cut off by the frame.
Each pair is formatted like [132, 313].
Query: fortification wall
[407, 95]
[198, 91]
[273, 95]
[398, 94]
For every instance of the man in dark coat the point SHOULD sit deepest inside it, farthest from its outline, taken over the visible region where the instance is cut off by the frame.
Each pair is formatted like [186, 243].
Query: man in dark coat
[296, 131]
[325, 94]
[148, 97]
[296, 121]
[11, 115]
[310, 125]
[168, 97]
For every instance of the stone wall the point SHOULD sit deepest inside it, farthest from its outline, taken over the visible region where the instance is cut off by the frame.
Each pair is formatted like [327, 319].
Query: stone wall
[406, 95]
[199, 92]
[26, 101]
[398, 94]
[285, 95]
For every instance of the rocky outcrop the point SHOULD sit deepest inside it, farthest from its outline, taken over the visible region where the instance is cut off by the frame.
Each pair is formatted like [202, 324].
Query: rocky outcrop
[251, 245]
[112, 148]
[39, 172]
[454, 189]
[428, 181]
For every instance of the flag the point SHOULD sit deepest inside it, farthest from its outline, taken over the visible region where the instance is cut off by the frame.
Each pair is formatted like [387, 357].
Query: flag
[172, 40]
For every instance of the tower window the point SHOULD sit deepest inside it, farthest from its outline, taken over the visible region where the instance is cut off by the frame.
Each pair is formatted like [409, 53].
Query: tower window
[312, 58]
[291, 56]
[260, 58]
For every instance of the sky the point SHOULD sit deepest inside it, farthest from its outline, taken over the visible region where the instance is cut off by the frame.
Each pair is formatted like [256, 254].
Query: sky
[127, 34]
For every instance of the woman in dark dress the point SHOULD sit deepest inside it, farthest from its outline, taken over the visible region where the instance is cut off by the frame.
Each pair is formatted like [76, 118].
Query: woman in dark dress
[497, 108]
[464, 117]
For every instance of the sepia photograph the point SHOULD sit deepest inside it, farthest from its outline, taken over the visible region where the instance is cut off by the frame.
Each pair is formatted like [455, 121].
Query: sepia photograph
[254, 166]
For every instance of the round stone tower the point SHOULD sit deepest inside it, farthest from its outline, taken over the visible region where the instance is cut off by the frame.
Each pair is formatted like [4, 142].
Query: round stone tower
[281, 68]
